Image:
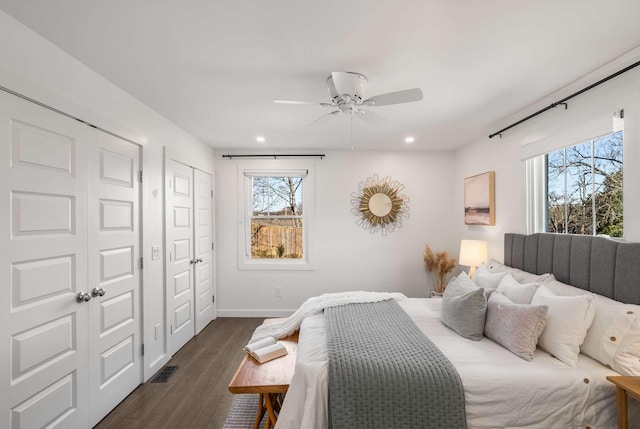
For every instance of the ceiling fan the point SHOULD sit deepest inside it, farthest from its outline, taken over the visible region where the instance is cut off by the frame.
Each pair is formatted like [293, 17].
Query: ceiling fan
[347, 91]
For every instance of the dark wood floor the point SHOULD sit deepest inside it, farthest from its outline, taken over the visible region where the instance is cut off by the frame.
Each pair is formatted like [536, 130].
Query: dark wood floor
[196, 395]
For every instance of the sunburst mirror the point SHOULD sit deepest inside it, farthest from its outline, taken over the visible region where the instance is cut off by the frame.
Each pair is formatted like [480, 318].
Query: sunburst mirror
[380, 205]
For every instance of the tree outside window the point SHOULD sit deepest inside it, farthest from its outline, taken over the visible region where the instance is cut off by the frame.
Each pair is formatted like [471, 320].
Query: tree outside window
[277, 217]
[584, 187]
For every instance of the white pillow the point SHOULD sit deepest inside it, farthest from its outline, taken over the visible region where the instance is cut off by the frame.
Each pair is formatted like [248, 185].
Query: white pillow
[518, 293]
[568, 319]
[464, 280]
[518, 274]
[614, 336]
[563, 289]
[486, 279]
[610, 325]
[627, 358]
[525, 277]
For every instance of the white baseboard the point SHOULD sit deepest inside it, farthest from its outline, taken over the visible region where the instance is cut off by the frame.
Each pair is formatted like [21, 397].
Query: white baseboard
[255, 313]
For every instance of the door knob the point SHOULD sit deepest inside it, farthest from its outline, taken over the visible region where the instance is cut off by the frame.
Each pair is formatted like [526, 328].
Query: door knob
[98, 292]
[199, 260]
[82, 297]
[193, 261]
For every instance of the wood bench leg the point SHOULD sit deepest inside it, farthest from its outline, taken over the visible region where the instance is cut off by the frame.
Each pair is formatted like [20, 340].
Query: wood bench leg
[277, 402]
[261, 411]
[271, 415]
[621, 402]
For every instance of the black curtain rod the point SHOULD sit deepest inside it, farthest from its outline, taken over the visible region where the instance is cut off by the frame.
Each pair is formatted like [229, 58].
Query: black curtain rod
[274, 156]
[563, 102]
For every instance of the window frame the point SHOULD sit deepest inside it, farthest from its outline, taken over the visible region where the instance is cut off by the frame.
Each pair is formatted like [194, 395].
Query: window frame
[275, 168]
[536, 184]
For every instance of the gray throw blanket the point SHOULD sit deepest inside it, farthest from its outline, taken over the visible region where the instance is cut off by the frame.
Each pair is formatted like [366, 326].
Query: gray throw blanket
[385, 373]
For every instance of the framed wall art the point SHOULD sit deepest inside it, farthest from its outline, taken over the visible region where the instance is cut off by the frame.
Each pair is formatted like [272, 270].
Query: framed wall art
[380, 205]
[479, 199]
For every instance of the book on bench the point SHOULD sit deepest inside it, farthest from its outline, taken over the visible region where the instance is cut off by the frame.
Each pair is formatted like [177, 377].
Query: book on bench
[265, 349]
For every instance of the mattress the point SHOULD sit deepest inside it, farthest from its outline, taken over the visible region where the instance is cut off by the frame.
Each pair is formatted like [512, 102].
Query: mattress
[501, 389]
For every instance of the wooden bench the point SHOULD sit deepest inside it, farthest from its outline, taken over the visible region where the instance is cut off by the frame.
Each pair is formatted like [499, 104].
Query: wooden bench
[626, 386]
[270, 380]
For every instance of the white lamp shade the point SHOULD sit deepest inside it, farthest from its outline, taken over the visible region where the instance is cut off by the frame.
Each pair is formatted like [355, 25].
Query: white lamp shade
[472, 252]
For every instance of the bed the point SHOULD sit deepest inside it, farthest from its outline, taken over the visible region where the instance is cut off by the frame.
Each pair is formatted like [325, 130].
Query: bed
[502, 389]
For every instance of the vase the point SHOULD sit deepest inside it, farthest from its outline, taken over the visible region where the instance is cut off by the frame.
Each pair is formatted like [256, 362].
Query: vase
[442, 283]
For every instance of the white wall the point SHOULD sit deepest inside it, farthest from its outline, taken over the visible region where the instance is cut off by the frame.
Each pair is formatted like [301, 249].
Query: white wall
[504, 154]
[34, 67]
[346, 256]
[503, 158]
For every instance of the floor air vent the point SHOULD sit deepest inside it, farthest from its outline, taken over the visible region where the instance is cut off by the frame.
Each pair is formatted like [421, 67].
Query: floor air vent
[163, 375]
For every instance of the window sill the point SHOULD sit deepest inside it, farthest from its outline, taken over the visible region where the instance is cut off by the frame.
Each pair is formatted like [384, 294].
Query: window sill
[275, 265]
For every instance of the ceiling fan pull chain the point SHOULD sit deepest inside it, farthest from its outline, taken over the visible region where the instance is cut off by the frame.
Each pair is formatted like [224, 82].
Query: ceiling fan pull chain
[351, 120]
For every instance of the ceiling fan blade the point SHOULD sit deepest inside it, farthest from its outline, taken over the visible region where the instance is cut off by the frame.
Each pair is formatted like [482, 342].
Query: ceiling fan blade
[398, 97]
[371, 117]
[323, 117]
[314, 103]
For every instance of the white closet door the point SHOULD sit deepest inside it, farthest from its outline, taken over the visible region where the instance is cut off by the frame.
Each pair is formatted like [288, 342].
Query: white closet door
[115, 364]
[179, 234]
[205, 310]
[43, 265]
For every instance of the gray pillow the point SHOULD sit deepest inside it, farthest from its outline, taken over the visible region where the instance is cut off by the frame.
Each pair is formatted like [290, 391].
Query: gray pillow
[463, 309]
[515, 327]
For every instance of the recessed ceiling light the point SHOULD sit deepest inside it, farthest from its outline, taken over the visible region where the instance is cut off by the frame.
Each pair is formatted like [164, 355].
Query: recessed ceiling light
[409, 139]
[261, 139]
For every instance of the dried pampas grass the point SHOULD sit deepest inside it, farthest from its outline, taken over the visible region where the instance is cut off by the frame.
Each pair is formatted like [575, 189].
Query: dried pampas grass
[441, 263]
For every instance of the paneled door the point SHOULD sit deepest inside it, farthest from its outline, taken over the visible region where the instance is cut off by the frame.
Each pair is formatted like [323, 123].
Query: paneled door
[43, 266]
[203, 196]
[69, 242]
[190, 255]
[114, 272]
[179, 234]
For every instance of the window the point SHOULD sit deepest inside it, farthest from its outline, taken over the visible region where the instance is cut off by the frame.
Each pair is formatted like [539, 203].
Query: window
[277, 217]
[275, 225]
[584, 187]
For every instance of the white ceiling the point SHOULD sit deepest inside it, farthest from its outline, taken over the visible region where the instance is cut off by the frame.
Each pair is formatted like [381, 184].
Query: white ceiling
[214, 66]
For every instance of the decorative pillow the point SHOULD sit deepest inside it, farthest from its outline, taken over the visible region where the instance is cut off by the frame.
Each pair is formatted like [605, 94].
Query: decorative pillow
[517, 292]
[563, 289]
[486, 279]
[525, 277]
[516, 327]
[464, 308]
[520, 275]
[610, 330]
[627, 358]
[463, 280]
[568, 319]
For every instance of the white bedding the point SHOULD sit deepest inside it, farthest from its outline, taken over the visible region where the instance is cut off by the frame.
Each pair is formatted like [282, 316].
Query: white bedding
[501, 390]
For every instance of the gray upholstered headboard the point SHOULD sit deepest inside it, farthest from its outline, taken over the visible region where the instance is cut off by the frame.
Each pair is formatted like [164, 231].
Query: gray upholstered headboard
[600, 265]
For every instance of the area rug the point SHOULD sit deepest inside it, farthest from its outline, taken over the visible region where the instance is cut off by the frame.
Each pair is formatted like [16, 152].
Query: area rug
[243, 412]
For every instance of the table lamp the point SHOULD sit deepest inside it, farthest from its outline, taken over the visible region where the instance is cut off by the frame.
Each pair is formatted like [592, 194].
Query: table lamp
[472, 254]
